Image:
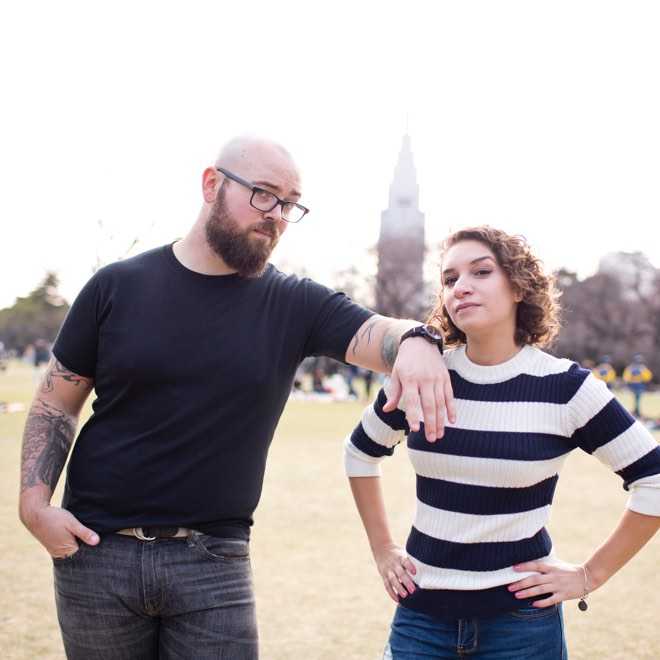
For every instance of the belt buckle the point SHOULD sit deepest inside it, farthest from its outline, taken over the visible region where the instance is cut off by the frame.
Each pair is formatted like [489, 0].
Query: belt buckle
[139, 534]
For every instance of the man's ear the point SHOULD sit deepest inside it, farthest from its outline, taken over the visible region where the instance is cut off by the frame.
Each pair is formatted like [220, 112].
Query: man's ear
[210, 184]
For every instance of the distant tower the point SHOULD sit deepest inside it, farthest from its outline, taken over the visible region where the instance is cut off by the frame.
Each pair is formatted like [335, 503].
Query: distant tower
[401, 248]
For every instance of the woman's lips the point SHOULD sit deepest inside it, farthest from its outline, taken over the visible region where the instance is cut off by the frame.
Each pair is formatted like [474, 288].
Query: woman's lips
[466, 306]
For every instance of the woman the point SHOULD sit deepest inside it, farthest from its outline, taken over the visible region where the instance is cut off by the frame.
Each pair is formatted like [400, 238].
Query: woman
[478, 576]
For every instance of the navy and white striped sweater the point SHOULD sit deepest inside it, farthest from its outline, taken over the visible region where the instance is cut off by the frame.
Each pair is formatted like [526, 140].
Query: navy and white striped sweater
[484, 491]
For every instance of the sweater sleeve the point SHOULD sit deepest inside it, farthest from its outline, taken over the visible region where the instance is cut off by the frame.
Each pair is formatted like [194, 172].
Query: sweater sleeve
[603, 427]
[373, 438]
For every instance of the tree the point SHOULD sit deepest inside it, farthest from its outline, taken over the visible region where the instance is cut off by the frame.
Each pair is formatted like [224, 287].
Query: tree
[612, 312]
[39, 315]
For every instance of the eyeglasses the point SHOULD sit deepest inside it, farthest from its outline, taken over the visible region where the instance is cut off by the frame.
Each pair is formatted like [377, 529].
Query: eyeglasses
[264, 200]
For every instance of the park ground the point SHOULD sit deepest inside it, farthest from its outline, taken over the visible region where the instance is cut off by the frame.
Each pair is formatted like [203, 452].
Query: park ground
[319, 596]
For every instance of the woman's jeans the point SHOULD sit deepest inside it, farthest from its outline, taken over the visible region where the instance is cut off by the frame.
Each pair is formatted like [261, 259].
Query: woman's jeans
[529, 633]
[126, 599]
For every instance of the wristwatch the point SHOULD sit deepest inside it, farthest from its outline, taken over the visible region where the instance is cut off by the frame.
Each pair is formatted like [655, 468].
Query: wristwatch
[428, 332]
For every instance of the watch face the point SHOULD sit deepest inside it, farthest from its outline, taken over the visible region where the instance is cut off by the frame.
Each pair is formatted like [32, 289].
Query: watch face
[433, 332]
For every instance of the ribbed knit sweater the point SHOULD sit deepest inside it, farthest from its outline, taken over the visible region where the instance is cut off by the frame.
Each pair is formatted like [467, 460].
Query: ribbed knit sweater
[485, 489]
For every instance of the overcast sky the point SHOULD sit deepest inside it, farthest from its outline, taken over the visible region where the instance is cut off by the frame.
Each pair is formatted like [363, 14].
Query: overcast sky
[537, 117]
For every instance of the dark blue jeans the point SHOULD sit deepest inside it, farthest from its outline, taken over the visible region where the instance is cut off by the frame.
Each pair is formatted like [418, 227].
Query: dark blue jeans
[126, 599]
[529, 633]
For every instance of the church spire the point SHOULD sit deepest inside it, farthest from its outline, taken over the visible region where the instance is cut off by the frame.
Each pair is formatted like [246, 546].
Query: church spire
[404, 191]
[401, 249]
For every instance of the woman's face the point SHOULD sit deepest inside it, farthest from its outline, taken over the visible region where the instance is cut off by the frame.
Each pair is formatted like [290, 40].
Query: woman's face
[476, 292]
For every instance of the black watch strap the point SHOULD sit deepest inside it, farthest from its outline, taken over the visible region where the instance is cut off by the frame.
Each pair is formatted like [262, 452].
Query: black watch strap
[428, 332]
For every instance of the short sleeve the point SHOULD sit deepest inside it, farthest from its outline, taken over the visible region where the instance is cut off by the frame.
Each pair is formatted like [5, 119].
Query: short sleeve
[336, 320]
[77, 341]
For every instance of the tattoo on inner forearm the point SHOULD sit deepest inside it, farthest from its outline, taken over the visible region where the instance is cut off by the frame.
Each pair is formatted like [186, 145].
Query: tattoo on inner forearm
[47, 439]
[365, 334]
[390, 347]
[57, 370]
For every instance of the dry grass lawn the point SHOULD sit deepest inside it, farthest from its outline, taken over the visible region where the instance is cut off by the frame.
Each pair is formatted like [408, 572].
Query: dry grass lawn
[318, 594]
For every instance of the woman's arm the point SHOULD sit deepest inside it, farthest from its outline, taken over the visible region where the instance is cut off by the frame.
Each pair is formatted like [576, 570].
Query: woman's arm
[393, 564]
[604, 428]
[372, 439]
[566, 581]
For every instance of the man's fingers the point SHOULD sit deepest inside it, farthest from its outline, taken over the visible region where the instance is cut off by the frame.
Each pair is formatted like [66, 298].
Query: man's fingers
[64, 549]
[429, 408]
[413, 406]
[450, 405]
[394, 394]
[440, 406]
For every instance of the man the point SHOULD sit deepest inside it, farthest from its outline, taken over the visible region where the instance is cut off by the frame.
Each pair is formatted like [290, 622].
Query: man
[637, 376]
[191, 349]
[605, 371]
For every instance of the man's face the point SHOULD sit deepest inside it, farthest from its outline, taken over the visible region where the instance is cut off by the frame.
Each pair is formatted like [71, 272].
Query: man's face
[242, 236]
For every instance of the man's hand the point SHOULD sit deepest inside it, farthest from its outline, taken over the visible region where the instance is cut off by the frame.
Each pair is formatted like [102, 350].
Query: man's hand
[420, 380]
[58, 531]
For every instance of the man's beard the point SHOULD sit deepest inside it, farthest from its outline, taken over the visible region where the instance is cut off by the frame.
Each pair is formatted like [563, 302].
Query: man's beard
[237, 247]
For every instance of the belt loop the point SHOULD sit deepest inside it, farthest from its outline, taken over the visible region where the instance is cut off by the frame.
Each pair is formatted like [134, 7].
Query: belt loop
[139, 534]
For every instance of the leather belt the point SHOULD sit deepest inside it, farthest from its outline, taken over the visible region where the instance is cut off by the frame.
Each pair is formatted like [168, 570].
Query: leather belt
[153, 533]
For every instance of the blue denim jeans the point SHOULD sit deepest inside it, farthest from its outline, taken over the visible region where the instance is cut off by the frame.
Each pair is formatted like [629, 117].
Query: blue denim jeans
[126, 599]
[529, 633]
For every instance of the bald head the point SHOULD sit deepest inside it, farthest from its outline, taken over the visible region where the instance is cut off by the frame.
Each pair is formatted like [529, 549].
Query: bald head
[263, 162]
[242, 149]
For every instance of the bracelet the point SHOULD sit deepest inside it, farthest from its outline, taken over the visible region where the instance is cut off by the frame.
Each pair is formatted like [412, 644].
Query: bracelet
[582, 603]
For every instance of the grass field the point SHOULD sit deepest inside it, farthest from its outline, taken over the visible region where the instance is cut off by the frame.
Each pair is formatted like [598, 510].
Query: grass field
[318, 594]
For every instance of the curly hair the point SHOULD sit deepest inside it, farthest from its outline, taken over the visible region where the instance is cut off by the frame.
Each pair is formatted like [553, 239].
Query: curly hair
[537, 315]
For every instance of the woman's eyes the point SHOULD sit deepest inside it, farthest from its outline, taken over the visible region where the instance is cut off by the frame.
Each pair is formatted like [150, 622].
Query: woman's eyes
[482, 272]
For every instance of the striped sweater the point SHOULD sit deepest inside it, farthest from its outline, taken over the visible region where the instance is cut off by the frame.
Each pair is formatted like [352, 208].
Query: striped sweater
[484, 491]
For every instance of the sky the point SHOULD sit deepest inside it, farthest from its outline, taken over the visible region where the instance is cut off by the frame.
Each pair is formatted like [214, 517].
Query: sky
[540, 118]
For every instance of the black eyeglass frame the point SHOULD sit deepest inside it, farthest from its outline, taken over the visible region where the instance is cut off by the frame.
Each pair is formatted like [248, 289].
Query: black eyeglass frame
[257, 189]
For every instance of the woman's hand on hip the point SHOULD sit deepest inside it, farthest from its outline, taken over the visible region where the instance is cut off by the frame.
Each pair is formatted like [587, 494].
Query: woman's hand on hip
[397, 571]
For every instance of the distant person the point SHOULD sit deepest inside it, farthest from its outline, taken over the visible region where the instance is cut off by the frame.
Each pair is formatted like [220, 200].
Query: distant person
[605, 371]
[151, 547]
[368, 377]
[351, 373]
[41, 357]
[478, 577]
[637, 376]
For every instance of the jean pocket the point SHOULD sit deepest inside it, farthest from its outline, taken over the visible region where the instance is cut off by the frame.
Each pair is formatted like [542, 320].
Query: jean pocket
[68, 558]
[530, 612]
[222, 549]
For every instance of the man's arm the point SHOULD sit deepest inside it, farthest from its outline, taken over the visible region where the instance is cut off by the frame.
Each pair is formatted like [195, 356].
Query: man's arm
[47, 439]
[419, 376]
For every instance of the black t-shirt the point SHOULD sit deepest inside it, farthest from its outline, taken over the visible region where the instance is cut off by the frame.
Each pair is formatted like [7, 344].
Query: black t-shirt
[191, 374]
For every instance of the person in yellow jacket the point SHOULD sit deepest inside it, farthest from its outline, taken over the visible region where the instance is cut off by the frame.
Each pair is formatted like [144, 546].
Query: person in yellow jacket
[605, 371]
[637, 375]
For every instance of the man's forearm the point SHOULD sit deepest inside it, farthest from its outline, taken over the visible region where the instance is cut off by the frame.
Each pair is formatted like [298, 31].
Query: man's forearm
[47, 439]
[376, 344]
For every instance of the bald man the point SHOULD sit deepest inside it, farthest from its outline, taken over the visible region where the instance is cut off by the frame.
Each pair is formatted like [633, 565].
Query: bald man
[191, 349]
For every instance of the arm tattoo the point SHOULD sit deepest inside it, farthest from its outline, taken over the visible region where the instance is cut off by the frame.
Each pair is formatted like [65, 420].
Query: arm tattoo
[367, 332]
[390, 346]
[46, 442]
[57, 370]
